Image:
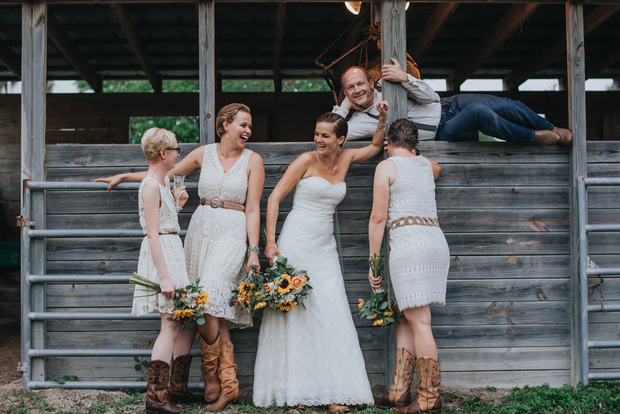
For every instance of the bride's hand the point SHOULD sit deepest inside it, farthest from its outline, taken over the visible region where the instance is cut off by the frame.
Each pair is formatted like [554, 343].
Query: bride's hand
[252, 261]
[271, 251]
[375, 282]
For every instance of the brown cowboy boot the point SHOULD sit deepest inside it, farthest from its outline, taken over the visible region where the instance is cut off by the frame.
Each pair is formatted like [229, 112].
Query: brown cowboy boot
[429, 385]
[400, 391]
[210, 355]
[157, 398]
[178, 382]
[227, 372]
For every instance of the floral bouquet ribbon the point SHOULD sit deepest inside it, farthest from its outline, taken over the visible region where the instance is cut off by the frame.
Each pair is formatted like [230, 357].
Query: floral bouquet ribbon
[278, 287]
[190, 302]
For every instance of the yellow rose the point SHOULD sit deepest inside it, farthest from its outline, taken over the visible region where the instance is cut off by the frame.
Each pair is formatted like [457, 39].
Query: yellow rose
[388, 313]
[298, 281]
[287, 306]
[378, 322]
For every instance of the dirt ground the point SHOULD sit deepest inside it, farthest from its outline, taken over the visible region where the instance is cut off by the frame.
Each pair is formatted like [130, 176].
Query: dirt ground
[14, 400]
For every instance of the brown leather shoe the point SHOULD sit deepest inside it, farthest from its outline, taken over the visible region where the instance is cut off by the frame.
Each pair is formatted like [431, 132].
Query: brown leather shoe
[178, 382]
[566, 136]
[210, 355]
[546, 137]
[227, 373]
[337, 408]
[400, 391]
[429, 384]
[157, 397]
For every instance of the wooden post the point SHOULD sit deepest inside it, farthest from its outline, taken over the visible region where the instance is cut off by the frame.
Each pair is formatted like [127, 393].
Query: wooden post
[34, 88]
[393, 45]
[577, 122]
[206, 47]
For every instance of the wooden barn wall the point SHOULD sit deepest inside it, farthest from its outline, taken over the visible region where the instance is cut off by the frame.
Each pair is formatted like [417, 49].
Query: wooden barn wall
[503, 208]
[284, 117]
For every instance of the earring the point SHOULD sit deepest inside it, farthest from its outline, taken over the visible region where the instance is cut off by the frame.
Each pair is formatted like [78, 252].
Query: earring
[227, 136]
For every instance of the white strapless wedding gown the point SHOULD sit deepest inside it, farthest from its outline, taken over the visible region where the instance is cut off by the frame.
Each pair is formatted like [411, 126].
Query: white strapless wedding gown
[312, 355]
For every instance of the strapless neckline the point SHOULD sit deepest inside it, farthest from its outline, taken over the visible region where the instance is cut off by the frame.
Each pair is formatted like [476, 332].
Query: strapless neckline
[324, 179]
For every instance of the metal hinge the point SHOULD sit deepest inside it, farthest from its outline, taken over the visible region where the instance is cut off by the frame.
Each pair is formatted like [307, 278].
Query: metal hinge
[23, 221]
[22, 368]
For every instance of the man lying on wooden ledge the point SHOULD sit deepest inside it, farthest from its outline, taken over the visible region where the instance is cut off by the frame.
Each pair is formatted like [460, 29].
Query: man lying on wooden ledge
[456, 118]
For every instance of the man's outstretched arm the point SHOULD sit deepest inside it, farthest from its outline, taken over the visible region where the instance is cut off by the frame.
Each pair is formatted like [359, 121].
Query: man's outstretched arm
[417, 89]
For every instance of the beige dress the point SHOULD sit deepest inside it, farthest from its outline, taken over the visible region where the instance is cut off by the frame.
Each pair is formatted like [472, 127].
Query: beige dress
[215, 245]
[144, 301]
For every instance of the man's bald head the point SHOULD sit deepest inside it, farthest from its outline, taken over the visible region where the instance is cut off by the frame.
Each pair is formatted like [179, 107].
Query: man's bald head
[358, 87]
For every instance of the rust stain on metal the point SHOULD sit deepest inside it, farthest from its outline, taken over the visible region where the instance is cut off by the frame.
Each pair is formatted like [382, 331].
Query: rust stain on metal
[491, 311]
[511, 260]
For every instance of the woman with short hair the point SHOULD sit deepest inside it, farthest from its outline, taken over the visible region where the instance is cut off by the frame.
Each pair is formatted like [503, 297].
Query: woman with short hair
[404, 200]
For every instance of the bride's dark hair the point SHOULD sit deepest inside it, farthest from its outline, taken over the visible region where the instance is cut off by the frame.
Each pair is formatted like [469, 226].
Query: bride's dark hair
[340, 125]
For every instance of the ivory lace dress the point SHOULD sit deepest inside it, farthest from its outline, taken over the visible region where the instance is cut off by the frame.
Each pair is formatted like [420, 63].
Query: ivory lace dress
[419, 255]
[215, 245]
[144, 301]
[312, 355]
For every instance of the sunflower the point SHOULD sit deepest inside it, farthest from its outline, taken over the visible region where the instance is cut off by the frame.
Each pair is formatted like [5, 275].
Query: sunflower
[182, 313]
[245, 287]
[286, 306]
[285, 285]
[260, 305]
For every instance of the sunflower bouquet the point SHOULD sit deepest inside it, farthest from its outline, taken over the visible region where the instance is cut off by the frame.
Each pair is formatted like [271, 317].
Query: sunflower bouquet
[190, 302]
[377, 309]
[278, 287]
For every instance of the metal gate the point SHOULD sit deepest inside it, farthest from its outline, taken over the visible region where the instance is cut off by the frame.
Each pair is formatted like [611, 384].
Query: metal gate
[585, 272]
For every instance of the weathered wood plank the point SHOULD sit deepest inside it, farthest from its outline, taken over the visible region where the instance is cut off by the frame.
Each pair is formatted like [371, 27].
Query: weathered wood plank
[521, 290]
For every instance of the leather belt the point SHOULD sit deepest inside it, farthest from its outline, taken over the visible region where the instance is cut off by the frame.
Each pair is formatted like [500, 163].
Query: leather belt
[166, 234]
[218, 203]
[414, 221]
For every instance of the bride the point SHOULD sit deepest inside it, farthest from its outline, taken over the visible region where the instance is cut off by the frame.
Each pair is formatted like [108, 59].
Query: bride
[311, 355]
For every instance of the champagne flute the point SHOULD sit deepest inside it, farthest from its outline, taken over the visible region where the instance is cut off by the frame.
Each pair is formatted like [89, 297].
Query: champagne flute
[178, 184]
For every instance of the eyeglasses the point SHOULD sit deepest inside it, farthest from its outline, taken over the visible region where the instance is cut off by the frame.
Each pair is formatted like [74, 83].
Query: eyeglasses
[177, 149]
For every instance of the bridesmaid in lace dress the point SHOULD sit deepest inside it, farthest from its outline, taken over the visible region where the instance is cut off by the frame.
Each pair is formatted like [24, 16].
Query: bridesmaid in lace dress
[311, 355]
[230, 188]
[161, 260]
[404, 199]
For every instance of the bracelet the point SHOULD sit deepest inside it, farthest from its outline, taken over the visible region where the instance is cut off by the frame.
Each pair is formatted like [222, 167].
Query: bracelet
[253, 249]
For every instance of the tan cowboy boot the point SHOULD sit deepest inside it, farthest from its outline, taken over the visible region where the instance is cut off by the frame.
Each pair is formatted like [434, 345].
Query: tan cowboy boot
[157, 397]
[210, 356]
[179, 379]
[566, 136]
[547, 137]
[227, 373]
[429, 385]
[400, 391]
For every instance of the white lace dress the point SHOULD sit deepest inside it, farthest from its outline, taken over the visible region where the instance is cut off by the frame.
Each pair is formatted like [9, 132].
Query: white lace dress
[312, 355]
[215, 245]
[419, 255]
[144, 301]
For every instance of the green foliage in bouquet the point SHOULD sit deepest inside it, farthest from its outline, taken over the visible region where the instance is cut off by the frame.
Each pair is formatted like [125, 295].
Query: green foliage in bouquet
[378, 309]
[278, 287]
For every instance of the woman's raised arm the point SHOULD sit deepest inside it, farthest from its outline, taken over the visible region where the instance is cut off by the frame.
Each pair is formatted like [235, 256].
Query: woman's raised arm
[187, 166]
[359, 155]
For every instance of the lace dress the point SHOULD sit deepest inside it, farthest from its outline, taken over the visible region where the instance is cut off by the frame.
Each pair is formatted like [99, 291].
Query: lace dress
[215, 245]
[144, 301]
[419, 255]
[312, 355]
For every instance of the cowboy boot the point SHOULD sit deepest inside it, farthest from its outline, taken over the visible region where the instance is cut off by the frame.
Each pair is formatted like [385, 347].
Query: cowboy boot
[157, 397]
[429, 385]
[210, 355]
[227, 373]
[400, 391]
[178, 381]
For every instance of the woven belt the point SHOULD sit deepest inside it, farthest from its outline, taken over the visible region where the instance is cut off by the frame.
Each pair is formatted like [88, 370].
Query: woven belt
[217, 203]
[414, 221]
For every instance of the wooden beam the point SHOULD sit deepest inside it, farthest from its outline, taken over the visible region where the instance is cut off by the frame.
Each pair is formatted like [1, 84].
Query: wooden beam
[431, 29]
[206, 49]
[555, 49]
[67, 47]
[393, 45]
[124, 19]
[575, 62]
[505, 27]
[10, 59]
[277, 77]
[609, 60]
[33, 104]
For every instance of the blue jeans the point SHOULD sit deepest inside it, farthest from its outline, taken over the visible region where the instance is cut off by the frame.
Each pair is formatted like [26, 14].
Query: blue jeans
[462, 116]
